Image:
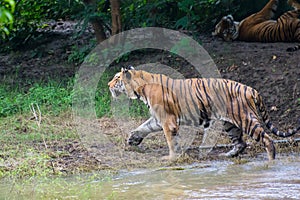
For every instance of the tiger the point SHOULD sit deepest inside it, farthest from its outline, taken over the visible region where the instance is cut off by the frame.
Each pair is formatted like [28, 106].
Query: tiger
[197, 102]
[259, 27]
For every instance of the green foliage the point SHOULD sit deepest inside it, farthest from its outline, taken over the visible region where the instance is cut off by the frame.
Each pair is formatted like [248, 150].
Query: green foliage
[7, 7]
[31, 14]
[203, 14]
[142, 13]
[53, 98]
[178, 14]
[187, 7]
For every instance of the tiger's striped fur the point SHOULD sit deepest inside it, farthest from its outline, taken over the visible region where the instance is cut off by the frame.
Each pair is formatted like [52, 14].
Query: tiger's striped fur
[175, 102]
[259, 27]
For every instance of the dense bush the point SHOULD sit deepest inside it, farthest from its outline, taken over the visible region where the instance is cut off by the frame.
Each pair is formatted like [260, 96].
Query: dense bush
[176, 14]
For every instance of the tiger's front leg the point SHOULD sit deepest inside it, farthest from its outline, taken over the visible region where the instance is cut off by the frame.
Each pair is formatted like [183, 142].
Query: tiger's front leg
[171, 128]
[137, 135]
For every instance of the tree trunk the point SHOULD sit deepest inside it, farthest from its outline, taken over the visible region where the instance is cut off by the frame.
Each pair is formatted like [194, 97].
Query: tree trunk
[97, 25]
[115, 16]
[96, 22]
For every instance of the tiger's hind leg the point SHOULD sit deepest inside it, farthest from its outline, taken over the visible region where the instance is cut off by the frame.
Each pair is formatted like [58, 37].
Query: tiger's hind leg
[257, 132]
[170, 129]
[235, 134]
[268, 11]
[269, 145]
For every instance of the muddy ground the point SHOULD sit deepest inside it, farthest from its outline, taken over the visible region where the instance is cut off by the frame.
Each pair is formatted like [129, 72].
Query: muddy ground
[267, 67]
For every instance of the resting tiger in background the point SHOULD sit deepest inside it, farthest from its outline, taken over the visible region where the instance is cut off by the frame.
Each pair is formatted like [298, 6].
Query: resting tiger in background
[260, 27]
[196, 102]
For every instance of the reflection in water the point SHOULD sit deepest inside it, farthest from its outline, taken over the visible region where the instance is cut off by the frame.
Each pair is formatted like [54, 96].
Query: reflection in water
[211, 180]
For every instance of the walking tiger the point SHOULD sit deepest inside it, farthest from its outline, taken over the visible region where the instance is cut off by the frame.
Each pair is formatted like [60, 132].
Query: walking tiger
[197, 102]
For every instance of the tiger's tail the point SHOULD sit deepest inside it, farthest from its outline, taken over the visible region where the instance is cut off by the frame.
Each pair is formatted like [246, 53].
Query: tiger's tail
[266, 119]
[295, 48]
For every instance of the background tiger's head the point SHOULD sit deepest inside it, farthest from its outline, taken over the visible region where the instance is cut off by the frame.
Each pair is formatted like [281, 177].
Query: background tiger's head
[116, 86]
[227, 28]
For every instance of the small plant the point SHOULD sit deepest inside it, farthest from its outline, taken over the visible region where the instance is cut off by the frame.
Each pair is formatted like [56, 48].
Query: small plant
[34, 164]
[78, 54]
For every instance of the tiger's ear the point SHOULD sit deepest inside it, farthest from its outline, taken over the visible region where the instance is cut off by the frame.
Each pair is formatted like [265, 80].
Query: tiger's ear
[125, 69]
[126, 72]
[130, 67]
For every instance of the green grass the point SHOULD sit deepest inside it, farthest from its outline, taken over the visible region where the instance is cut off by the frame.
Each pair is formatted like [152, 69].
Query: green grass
[52, 98]
[24, 153]
[55, 97]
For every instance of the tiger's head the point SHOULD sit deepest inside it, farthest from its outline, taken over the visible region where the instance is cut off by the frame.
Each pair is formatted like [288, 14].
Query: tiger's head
[227, 28]
[133, 80]
[127, 81]
[116, 86]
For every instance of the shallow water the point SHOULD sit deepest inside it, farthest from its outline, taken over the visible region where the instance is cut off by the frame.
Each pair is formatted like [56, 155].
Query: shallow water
[257, 179]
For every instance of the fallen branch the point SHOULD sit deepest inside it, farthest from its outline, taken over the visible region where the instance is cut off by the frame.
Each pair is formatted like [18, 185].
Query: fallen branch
[287, 141]
[216, 146]
[231, 145]
[38, 118]
[36, 111]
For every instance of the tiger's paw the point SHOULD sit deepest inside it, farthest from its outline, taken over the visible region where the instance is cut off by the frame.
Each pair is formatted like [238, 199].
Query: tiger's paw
[290, 49]
[170, 157]
[237, 149]
[228, 155]
[135, 139]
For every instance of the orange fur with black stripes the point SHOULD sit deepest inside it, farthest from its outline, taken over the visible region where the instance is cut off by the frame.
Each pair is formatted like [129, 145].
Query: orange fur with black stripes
[197, 102]
[260, 27]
